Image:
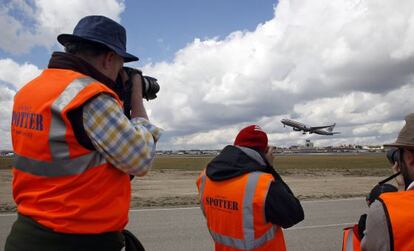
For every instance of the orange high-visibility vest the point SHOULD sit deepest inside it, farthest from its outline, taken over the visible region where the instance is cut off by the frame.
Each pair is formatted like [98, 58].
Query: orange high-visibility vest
[235, 212]
[57, 182]
[399, 208]
[350, 241]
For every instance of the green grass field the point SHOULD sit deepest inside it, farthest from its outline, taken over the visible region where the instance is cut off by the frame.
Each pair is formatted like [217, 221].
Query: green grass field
[361, 165]
[376, 165]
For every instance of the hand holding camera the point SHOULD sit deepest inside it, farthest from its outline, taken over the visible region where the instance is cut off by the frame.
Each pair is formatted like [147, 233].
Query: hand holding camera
[132, 86]
[150, 86]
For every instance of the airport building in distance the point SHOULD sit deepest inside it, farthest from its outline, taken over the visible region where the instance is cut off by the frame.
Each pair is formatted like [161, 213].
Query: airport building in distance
[307, 148]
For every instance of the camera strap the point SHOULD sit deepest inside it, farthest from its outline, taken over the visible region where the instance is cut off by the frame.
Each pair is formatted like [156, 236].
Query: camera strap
[389, 178]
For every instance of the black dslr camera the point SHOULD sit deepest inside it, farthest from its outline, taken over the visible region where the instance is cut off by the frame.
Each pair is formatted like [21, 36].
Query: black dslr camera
[393, 155]
[150, 88]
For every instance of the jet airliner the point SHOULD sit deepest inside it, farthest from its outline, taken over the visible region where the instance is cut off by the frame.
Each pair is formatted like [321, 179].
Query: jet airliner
[297, 126]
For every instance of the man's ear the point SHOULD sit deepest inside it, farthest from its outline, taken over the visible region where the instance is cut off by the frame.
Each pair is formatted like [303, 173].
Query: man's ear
[108, 59]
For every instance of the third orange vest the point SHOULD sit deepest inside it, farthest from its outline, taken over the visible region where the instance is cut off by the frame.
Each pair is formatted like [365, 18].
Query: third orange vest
[399, 208]
[235, 213]
[350, 240]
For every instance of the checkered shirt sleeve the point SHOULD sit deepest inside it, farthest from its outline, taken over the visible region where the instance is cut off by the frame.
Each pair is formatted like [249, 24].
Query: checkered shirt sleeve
[128, 144]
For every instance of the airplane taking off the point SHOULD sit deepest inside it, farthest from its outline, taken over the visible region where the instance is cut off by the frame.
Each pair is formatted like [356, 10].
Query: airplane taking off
[297, 126]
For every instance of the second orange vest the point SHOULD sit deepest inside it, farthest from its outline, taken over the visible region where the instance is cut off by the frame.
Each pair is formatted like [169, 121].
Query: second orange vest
[235, 213]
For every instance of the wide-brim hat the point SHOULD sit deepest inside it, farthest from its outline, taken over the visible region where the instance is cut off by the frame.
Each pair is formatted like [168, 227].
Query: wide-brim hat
[406, 136]
[101, 30]
[253, 137]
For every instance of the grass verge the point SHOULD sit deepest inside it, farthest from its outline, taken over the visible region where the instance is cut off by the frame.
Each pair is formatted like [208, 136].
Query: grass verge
[358, 165]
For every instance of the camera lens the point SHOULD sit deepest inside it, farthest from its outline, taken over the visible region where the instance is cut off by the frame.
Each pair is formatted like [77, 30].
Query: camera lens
[150, 87]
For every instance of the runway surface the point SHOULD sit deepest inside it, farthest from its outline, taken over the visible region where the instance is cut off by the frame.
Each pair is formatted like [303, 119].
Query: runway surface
[185, 229]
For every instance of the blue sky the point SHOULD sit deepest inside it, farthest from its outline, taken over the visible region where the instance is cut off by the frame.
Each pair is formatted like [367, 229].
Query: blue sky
[157, 29]
[223, 65]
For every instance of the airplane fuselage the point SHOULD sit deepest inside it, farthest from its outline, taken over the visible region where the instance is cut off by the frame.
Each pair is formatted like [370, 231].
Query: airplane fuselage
[297, 126]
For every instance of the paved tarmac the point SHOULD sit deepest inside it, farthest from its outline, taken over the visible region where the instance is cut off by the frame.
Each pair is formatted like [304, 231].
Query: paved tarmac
[184, 228]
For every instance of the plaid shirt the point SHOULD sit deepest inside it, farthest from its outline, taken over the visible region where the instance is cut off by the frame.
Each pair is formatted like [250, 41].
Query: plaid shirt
[128, 144]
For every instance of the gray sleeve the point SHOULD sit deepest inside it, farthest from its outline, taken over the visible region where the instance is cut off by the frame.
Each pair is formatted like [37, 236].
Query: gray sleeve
[376, 232]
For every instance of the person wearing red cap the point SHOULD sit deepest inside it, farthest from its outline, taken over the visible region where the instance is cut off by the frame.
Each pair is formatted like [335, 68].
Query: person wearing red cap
[244, 200]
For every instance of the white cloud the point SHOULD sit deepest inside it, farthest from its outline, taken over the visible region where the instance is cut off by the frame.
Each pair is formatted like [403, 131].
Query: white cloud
[377, 128]
[45, 19]
[15, 74]
[6, 104]
[318, 61]
[358, 107]
[213, 139]
[12, 77]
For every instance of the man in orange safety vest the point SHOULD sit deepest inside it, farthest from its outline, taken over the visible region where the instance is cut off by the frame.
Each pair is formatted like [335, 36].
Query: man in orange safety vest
[244, 200]
[75, 148]
[390, 220]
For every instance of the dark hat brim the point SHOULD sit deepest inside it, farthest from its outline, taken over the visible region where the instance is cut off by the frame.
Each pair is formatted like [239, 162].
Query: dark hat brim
[65, 38]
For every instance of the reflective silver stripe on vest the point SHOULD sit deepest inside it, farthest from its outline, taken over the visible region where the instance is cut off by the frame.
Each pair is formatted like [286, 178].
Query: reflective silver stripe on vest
[248, 224]
[203, 183]
[264, 201]
[57, 168]
[249, 242]
[59, 148]
[350, 241]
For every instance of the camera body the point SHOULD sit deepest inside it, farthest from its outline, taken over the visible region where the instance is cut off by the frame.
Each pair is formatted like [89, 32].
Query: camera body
[150, 88]
[393, 155]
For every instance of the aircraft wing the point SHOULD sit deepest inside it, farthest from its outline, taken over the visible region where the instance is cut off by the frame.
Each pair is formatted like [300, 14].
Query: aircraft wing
[322, 127]
[319, 127]
[323, 132]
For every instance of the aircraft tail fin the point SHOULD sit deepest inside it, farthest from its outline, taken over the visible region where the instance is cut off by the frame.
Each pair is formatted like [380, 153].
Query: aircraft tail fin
[330, 129]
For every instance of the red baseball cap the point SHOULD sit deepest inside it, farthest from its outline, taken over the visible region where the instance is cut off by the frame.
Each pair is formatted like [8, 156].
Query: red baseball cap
[252, 136]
